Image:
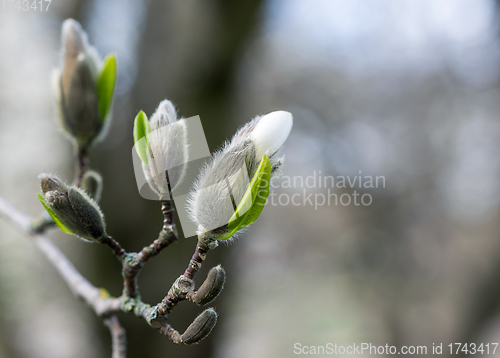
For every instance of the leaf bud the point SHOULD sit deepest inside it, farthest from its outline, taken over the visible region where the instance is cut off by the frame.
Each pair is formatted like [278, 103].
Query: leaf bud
[200, 328]
[210, 289]
[73, 211]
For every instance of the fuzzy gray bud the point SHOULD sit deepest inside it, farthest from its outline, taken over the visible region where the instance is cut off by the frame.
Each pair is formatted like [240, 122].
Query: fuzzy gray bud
[210, 289]
[75, 212]
[92, 184]
[224, 180]
[76, 86]
[200, 328]
[168, 150]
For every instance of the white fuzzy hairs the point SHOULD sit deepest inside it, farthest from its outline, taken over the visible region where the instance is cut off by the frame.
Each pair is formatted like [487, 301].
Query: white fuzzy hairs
[168, 149]
[222, 181]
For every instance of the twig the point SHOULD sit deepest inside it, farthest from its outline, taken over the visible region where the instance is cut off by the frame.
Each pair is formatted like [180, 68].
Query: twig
[131, 266]
[132, 263]
[10, 213]
[118, 337]
[114, 246]
[167, 236]
[78, 284]
[130, 301]
[184, 286]
[171, 333]
[81, 166]
[41, 224]
[200, 254]
[177, 293]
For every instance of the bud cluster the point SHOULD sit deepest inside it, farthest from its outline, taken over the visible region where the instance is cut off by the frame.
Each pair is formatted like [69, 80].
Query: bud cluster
[228, 195]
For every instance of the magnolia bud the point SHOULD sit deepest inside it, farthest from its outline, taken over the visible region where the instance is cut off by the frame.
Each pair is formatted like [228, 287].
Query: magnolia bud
[200, 328]
[165, 153]
[270, 132]
[72, 209]
[224, 183]
[92, 184]
[212, 286]
[84, 86]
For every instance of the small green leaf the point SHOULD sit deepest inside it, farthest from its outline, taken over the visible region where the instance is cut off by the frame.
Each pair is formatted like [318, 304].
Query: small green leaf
[253, 200]
[141, 131]
[54, 216]
[106, 85]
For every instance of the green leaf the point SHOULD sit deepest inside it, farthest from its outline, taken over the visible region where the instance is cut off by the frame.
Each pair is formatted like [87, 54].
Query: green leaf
[106, 85]
[54, 216]
[141, 131]
[253, 200]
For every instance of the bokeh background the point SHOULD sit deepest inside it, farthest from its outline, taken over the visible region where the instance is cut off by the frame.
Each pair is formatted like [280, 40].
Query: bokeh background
[405, 89]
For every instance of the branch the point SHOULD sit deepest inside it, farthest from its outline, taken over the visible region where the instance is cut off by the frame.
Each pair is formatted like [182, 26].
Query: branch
[200, 254]
[103, 305]
[81, 165]
[118, 337]
[41, 224]
[115, 247]
[167, 236]
[78, 284]
[10, 213]
[132, 263]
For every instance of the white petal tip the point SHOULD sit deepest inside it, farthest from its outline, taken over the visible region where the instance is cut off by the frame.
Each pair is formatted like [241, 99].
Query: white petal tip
[271, 132]
[71, 28]
[166, 112]
[69, 24]
[73, 36]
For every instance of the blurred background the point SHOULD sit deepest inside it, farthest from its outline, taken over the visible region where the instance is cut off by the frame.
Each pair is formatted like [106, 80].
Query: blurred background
[408, 90]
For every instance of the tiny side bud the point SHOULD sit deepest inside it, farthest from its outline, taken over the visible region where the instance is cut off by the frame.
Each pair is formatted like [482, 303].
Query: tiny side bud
[200, 328]
[212, 286]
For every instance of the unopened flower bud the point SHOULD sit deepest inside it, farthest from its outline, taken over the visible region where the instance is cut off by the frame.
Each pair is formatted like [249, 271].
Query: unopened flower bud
[162, 145]
[236, 180]
[72, 209]
[84, 86]
[92, 184]
[210, 289]
[270, 132]
[200, 328]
